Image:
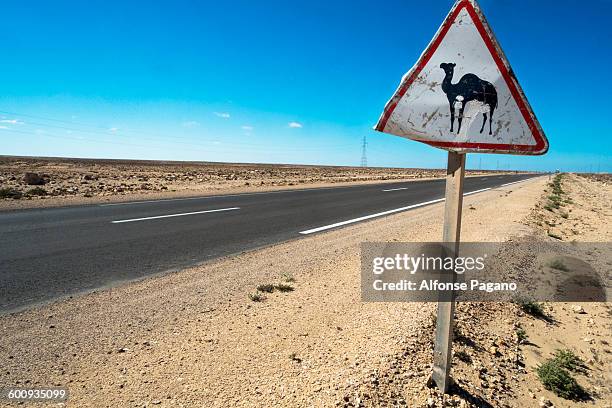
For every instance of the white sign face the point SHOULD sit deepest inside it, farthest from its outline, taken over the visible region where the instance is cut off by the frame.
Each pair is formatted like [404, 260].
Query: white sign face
[462, 95]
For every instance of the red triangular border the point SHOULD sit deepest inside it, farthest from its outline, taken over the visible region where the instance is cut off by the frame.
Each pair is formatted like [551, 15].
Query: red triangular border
[541, 145]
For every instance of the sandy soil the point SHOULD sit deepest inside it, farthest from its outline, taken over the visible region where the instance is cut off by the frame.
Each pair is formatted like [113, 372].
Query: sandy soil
[584, 328]
[194, 338]
[83, 181]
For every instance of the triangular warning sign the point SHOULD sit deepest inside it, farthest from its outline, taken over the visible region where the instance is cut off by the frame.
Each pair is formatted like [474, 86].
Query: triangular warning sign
[462, 95]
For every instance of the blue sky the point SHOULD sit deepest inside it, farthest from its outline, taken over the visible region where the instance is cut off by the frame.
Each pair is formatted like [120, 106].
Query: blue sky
[280, 81]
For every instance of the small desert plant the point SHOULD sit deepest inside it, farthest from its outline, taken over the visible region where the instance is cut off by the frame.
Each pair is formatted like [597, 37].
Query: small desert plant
[532, 308]
[9, 192]
[463, 356]
[256, 297]
[283, 287]
[266, 287]
[556, 379]
[568, 360]
[37, 191]
[521, 334]
[287, 277]
[556, 186]
[559, 265]
[34, 179]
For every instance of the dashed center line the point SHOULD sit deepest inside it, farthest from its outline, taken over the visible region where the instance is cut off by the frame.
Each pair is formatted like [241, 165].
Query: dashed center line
[397, 189]
[407, 188]
[175, 215]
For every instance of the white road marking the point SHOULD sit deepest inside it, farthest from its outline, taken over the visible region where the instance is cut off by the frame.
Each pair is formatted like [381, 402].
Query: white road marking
[175, 215]
[150, 201]
[367, 217]
[397, 189]
[514, 182]
[380, 214]
[477, 191]
[406, 188]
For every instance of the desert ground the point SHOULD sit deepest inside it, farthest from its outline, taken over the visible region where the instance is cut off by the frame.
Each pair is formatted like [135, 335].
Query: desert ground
[44, 182]
[198, 337]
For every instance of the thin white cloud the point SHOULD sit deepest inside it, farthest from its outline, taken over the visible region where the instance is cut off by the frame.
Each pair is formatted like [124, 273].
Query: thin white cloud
[295, 125]
[3, 127]
[191, 124]
[247, 128]
[113, 130]
[12, 121]
[223, 115]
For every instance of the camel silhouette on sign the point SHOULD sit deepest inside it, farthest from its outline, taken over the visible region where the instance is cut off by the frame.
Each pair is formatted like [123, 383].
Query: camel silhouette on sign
[469, 88]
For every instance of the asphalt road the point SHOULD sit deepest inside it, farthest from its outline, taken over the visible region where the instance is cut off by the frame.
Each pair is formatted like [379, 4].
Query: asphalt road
[55, 252]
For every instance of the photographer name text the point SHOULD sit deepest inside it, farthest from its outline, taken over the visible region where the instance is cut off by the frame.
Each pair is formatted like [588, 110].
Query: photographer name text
[435, 285]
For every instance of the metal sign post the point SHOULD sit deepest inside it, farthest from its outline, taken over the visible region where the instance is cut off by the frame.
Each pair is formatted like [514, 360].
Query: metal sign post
[455, 173]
